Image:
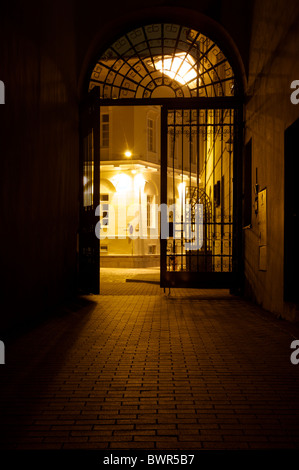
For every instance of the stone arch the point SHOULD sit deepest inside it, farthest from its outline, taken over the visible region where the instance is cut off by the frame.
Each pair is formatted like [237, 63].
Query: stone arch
[175, 15]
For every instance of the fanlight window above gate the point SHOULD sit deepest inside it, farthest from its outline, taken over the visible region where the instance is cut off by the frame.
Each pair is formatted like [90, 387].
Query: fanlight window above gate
[162, 61]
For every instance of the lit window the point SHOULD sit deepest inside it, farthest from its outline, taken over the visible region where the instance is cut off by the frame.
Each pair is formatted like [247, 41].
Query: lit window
[104, 215]
[105, 130]
[151, 135]
[172, 147]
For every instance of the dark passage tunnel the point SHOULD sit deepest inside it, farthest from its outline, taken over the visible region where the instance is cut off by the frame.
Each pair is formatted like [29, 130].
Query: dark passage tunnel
[147, 343]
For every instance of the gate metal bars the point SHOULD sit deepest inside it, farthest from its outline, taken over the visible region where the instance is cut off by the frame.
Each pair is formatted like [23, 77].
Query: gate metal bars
[197, 170]
[89, 249]
[201, 164]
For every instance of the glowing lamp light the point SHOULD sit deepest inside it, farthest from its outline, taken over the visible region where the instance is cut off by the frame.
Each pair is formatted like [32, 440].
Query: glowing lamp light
[128, 154]
[122, 182]
[179, 68]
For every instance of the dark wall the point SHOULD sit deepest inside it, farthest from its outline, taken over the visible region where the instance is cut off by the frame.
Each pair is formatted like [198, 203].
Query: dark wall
[274, 64]
[39, 158]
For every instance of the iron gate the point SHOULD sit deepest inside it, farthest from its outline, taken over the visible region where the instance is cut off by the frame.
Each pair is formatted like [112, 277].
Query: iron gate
[89, 250]
[200, 93]
[197, 229]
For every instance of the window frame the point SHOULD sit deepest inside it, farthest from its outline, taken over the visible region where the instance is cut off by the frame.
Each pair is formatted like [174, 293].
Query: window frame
[105, 133]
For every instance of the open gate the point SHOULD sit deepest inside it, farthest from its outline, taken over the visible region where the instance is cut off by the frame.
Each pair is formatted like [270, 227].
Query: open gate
[185, 74]
[197, 169]
[89, 249]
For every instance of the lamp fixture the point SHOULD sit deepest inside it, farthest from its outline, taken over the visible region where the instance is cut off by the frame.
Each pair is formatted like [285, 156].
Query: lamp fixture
[180, 67]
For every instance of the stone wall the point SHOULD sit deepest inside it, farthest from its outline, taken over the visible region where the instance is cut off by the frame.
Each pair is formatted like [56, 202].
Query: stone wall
[273, 66]
[39, 158]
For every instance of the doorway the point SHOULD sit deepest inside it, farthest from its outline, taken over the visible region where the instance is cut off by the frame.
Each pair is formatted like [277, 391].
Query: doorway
[130, 159]
[181, 86]
[291, 204]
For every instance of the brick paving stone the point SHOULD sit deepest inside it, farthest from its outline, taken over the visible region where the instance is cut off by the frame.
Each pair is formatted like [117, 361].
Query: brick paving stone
[135, 368]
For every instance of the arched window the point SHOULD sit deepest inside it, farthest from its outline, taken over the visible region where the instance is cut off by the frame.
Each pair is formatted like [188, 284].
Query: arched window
[163, 60]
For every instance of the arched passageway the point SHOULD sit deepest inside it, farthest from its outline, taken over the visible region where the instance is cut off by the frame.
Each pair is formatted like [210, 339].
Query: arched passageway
[164, 108]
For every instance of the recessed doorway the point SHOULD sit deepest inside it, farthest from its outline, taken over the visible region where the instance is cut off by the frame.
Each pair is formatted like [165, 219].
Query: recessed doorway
[160, 167]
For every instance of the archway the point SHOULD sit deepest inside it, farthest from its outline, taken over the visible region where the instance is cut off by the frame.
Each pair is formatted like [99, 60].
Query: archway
[185, 75]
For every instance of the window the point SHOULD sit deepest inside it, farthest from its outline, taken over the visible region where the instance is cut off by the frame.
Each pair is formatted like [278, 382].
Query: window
[172, 147]
[104, 201]
[149, 209]
[171, 51]
[151, 130]
[105, 130]
[152, 249]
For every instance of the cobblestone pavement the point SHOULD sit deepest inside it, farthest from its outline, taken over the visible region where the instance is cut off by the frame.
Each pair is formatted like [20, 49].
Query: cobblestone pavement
[139, 368]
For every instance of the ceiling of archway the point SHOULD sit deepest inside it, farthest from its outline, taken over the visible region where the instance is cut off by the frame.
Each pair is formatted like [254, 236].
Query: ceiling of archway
[163, 60]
